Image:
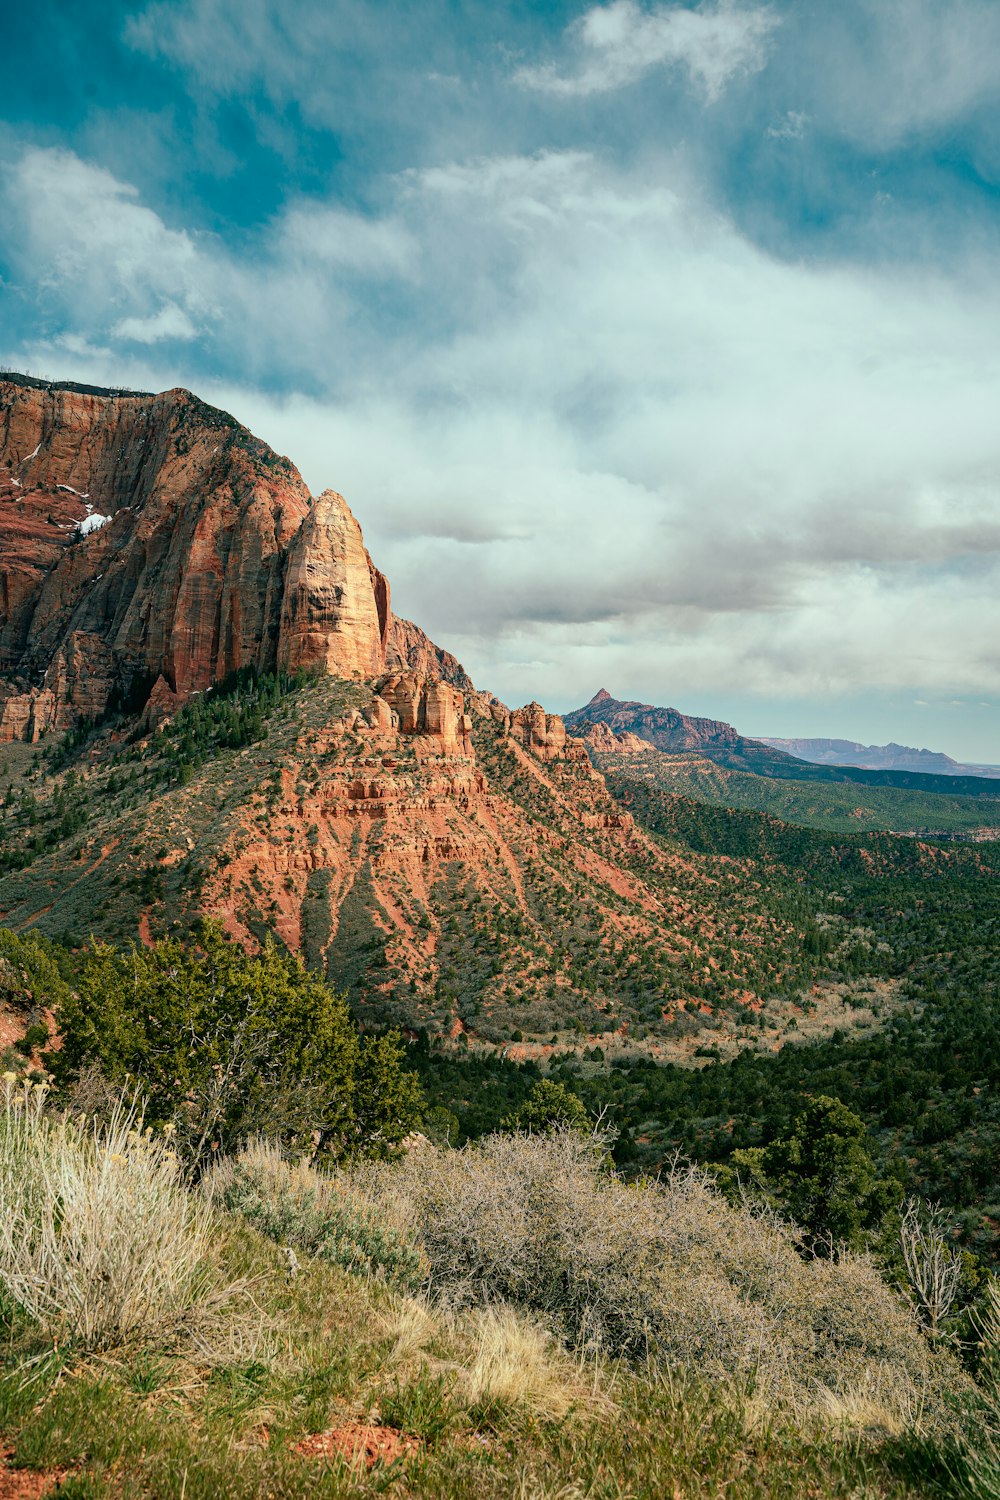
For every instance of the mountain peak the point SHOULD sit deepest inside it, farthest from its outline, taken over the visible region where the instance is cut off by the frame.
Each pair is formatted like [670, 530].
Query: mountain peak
[666, 729]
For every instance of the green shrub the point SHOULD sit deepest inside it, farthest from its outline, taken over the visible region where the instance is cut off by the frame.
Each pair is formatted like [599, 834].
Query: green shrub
[549, 1106]
[822, 1176]
[297, 1205]
[227, 1044]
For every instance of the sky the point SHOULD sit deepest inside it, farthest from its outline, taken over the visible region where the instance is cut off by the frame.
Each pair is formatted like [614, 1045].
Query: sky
[655, 346]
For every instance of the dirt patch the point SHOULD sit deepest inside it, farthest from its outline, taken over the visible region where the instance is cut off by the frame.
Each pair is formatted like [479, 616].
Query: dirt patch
[27, 1484]
[356, 1443]
[14, 1021]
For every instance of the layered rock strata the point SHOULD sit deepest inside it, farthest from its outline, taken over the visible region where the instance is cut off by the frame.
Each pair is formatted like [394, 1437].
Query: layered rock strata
[152, 544]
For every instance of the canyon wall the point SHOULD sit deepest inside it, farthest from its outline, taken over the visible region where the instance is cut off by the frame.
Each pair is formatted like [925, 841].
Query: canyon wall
[151, 542]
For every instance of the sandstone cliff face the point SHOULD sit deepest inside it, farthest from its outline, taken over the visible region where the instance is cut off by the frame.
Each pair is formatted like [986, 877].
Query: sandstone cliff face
[433, 711]
[408, 649]
[335, 604]
[151, 539]
[452, 863]
[603, 741]
[542, 734]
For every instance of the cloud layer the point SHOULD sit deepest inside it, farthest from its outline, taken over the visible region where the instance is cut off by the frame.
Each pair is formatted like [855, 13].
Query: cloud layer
[597, 429]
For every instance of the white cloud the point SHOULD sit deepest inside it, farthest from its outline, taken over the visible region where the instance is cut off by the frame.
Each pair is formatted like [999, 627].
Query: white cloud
[93, 238]
[330, 236]
[614, 45]
[340, 62]
[884, 71]
[600, 437]
[117, 272]
[231, 44]
[171, 322]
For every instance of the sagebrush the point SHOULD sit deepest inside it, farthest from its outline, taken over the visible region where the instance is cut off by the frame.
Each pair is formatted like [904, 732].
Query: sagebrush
[666, 1271]
[298, 1205]
[100, 1241]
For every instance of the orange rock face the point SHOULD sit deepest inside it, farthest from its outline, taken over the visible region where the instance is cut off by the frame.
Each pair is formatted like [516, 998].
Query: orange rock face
[149, 546]
[541, 733]
[408, 649]
[330, 610]
[604, 741]
[147, 538]
[433, 710]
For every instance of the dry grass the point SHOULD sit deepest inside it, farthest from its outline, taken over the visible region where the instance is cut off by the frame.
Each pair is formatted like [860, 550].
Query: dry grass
[160, 1423]
[412, 1324]
[299, 1206]
[517, 1363]
[100, 1242]
[870, 1404]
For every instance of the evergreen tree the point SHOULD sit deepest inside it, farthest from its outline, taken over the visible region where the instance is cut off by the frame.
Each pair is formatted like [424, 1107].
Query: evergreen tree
[549, 1106]
[223, 1044]
[823, 1177]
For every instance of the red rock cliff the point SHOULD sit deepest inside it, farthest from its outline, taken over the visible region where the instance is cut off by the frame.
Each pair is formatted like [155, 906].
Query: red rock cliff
[151, 540]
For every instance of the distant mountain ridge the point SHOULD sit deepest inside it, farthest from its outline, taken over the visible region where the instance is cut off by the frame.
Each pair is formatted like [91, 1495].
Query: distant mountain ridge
[669, 730]
[616, 726]
[891, 757]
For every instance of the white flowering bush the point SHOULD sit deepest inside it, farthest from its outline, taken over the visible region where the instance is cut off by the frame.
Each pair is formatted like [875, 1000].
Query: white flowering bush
[100, 1242]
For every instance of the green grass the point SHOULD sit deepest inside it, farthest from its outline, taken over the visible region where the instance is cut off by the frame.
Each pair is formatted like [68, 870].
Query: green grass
[840, 807]
[475, 1397]
[182, 1429]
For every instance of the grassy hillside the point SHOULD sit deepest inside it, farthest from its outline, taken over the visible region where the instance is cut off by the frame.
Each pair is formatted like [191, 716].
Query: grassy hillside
[573, 1336]
[836, 805]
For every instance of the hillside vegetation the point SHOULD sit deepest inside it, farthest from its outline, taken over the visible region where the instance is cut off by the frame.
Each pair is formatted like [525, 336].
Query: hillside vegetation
[511, 1319]
[904, 933]
[501, 901]
[839, 806]
[535, 1312]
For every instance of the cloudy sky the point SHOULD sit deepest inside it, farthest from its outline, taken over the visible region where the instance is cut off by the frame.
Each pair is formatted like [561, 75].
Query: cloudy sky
[655, 346]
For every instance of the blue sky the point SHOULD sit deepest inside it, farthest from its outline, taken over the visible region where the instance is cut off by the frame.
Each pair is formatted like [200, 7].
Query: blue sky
[655, 346]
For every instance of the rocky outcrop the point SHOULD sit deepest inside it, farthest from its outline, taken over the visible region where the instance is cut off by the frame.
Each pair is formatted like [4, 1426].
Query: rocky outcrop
[150, 546]
[161, 705]
[24, 716]
[153, 540]
[542, 735]
[335, 604]
[408, 649]
[602, 740]
[676, 733]
[435, 711]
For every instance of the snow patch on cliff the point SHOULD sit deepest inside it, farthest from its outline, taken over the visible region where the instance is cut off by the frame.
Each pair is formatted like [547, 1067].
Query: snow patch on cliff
[92, 523]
